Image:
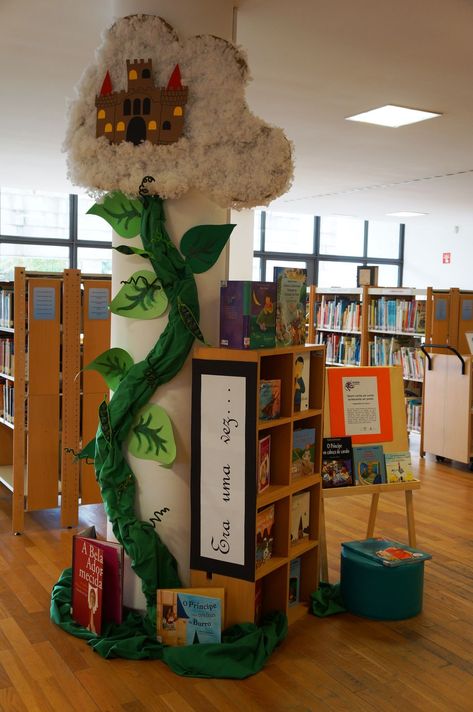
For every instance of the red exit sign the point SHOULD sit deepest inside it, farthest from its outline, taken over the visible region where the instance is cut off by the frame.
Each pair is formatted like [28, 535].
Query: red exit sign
[446, 258]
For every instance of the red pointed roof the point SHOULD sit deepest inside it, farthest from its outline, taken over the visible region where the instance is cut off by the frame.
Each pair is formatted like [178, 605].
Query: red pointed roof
[175, 79]
[106, 86]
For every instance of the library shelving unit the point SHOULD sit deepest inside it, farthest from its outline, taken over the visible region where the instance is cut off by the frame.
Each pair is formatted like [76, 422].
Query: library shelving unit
[449, 318]
[40, 331]
[336, 319]
[270, 581]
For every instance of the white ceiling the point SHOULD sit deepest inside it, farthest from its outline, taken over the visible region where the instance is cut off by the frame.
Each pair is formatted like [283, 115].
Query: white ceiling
[313, 63]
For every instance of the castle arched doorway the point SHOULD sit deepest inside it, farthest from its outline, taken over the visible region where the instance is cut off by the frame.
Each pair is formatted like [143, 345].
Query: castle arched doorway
[136, 131]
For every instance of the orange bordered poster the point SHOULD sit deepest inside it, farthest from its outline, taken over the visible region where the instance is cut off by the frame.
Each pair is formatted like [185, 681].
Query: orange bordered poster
[360, 403]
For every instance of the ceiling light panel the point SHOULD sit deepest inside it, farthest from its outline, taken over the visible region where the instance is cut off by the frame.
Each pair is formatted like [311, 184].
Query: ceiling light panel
[393, 116]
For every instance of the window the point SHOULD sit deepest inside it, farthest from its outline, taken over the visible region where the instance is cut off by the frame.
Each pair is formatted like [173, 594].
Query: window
[132, 74]
[101, 114]
[166, 125]
[136, 107]
[51, 232]
[331, 248]
[127, 107]
[152, 126]
[177, 111]
[145, 74]
[108, 128]
[121, 126]
[146, 106]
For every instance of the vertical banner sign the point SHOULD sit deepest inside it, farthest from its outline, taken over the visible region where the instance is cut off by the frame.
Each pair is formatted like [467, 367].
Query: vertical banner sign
[223, 487]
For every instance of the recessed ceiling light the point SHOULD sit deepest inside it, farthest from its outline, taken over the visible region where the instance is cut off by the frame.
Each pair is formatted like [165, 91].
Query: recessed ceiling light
[392, 116]
[405, 214]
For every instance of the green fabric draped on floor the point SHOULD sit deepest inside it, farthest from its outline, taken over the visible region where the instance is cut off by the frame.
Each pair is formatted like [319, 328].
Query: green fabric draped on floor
[327, 600]
[243, 651]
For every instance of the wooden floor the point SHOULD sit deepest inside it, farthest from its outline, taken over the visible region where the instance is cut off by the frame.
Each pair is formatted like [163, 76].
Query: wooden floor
[337, 663]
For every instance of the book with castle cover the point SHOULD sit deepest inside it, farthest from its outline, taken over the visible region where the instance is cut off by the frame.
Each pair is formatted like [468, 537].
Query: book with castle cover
[300, 516]
[264, 464]
[337, 462]
[386, 551]
[398, 467]
[188, 616]
[291, 305]
[368, 462]
[303, 452]
[97, 580]
[264, 535]
[247, 314]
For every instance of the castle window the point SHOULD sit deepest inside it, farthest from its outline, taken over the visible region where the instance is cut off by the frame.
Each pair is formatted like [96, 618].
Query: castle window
[101, 114]
[108, 128]
[136, 107]
[145, 74]
[126, 107]
[178, 111]
[132, 74]
[146, 106]
[121, 126]
[166, 126]
[152, 126]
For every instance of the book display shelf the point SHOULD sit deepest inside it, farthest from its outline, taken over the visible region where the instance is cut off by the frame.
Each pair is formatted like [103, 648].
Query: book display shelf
[266, 556]
[43, 336]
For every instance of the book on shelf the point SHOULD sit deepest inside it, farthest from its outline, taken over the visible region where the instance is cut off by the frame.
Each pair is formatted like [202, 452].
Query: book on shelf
[247, 314]
[7, 356]
[341, 348]
[291, 305]
[264, 464]
[368, 463]
[294, 581]
[6, 308]
[189, 616]
[301, 381]
[300, 516]
[398, 467]
[339, 313]
[303, 452]
[337, 462]
[8, 401]
[387, 552]
[413, 412]
[269, 402]
[403, 315]
[264, 535]
[97, 580]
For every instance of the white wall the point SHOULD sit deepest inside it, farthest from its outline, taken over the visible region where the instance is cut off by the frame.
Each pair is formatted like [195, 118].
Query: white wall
[425, 244]
[241, 245]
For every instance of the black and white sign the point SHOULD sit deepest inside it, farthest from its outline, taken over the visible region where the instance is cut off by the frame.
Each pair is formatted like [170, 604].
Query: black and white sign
[223, 484]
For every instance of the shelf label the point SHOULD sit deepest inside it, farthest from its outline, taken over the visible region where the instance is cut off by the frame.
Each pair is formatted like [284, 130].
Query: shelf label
[98, 304]
[223, 487]
[44, 303]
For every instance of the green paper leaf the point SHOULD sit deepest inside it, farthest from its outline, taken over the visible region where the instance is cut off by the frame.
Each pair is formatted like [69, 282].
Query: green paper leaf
[127, 250]
[203, 244]
[189, 320]
[104, 418]
[151, 436]
[112, 365]
[141, 297]
[122, 213]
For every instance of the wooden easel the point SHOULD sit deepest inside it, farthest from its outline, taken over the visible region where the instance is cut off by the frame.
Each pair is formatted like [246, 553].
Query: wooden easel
[399, 443]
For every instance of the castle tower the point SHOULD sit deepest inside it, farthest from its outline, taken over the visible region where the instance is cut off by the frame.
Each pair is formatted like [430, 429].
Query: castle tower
[139, 73]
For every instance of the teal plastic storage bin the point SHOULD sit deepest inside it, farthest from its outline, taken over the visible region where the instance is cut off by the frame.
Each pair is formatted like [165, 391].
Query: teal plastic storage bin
[372, 590]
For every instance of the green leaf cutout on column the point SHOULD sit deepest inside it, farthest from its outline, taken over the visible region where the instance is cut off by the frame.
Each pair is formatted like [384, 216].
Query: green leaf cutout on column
[112, 365]
[203, 244]
[127, 250]
[141, 297]
[151, 436]
[122, 213]
[189, 320]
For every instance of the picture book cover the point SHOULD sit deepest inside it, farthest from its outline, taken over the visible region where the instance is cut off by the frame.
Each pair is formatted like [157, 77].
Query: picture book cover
[264, 535]
[269, 405]
[337, 462]
[97, 580]
[301, 381]
[398, 467]
[300, 516]
[264, 462]
[387, 552]
[368, 463]
[303, 452]
[188, 616]
[290, 305]
[247, 314]
[294, 582]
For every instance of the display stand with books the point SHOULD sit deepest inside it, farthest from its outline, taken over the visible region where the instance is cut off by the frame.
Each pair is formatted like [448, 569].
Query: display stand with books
[392, 426]
[242, 520]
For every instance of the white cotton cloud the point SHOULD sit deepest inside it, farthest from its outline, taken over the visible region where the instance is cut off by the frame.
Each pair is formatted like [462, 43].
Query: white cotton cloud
[225, 151]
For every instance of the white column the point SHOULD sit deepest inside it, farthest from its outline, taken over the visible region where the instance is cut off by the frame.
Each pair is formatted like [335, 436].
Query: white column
[240, 262]
[157, 486]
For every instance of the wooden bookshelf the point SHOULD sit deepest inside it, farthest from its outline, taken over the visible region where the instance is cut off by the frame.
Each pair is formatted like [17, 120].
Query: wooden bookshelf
[273, 574]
